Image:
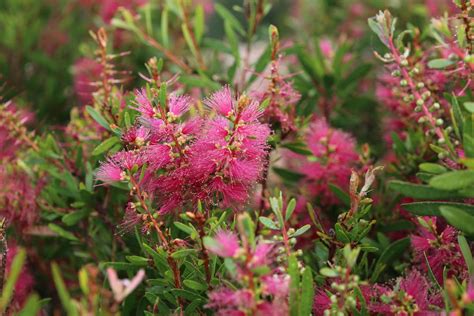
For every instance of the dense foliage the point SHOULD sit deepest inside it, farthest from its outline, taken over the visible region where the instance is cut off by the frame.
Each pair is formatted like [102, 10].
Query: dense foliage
[257, 157]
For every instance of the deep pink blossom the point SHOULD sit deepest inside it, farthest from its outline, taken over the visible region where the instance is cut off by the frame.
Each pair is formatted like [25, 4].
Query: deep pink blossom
[335, 154]
[226, 244]
[439, 244]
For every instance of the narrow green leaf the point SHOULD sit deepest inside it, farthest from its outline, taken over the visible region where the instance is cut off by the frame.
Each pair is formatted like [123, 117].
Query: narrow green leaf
[290, 208]
[294, 273]
[307, 293]
[455, 180]
[105, 145]
[467, 254]
[12, 279]
[31, 307]
[459, 219]
[98, 117]
[62, 232]
[63, 293]
[432, 208]
[195, 285]
[199, 23]
[268, 223]
[440, 63]
[419, 191]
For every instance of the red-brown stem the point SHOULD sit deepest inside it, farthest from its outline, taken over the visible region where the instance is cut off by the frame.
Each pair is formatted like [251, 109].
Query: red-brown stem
[200, 219]
[166, 245]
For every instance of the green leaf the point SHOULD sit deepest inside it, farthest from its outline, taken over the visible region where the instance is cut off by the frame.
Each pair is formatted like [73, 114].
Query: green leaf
[455, 180]
[163, 97]
[419, 191]
[31, 307]
[432, 208]
[341, 234]
[290, 208]
[64, 296]
[298, 147]
[294, 273]
[459, 219]
[182, 253]
[12, 279]
[268, 223]
[466, 252]
[62, 232]
[164, 27]
[300, 231]
[390, 254]
[105, 145]
[72, 219]
[340, 194]
[228, 17]
[98, 117]
[328, 272]
[137, 260]
[432, 168]
[195, 285]
[440, 63]
[199, 23]
[188, 39]
[307, 292]
[469, 106]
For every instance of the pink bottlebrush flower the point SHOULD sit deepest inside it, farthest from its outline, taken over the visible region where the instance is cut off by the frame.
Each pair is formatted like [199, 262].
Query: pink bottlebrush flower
[110, 172]
[144, 104]
[12, 116]
[410, 295]
[441, 248]
[276, 285]
[226, 244]
[178, 105]
[136, 136]
[123, 288]
[281, 97]
[18, 198]
[321, 303]
[86, 72]
[335, 154]
[262, 255]
[222, 102]
[24, 284]
[228, 302]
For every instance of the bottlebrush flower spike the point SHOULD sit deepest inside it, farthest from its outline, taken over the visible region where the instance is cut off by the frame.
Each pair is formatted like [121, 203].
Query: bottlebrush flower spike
[439, 244]
[178, 105]
[335, 154]
[221, 101]
[225, 244]
[123, 288]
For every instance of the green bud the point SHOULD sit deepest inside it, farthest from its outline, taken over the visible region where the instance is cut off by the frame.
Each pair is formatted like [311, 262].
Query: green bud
[439, 122]
[403, 83]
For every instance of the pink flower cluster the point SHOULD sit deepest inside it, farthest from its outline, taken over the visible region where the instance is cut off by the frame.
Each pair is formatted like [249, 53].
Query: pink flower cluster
[334, 155]
[439, 243]
[409, 295]
[213, 159]
[269, 296]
